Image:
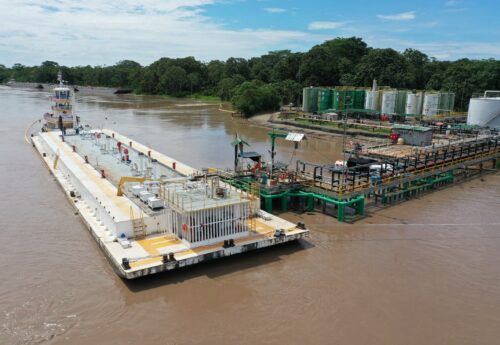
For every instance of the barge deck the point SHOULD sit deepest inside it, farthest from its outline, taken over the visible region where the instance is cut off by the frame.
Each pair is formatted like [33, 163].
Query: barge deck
[137, 242]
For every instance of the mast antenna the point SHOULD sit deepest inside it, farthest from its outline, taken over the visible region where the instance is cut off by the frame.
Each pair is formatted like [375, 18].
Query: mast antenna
[60, 78]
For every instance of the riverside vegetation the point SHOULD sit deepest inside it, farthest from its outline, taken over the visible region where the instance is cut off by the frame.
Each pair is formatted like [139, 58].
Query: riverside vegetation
[277, 78]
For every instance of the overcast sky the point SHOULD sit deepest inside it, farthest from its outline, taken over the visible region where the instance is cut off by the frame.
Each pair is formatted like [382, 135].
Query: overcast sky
[103, 32]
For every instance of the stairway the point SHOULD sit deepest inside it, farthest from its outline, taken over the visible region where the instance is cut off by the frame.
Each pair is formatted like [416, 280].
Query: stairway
[138, 225]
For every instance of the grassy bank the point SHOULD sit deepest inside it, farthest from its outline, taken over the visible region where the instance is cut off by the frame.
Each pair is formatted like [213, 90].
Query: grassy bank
[340, 125]
[206, 98]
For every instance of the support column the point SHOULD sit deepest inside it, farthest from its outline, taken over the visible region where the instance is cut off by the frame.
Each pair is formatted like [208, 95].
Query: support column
[310, 203]
[360, 207]
[284, 203]
[268, 203]
[341, 213]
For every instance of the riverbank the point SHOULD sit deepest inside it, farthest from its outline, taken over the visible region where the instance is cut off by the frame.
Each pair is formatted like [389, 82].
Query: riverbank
[104, 91]
[82, 90]
[273, 121]
[265, 120]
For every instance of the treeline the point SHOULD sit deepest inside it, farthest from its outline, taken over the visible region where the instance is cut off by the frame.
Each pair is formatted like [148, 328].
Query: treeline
[277, 78]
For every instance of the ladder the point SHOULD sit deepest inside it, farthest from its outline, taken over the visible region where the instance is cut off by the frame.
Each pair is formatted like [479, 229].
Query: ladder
[138, 225]
[254, 193]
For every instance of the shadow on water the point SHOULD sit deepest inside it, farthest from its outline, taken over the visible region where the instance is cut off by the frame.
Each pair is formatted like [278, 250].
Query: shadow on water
[217, 268]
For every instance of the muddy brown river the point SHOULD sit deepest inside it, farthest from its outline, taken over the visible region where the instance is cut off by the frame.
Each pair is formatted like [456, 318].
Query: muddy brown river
[424, 272]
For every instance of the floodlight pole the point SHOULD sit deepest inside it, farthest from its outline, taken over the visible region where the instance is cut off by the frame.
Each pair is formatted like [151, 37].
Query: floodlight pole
[344, 138]
[273, 135]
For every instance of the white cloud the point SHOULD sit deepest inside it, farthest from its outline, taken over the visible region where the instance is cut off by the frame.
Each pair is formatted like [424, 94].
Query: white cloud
[443, 49]
[325, 25]
[275, 10]
[98, 32]
[398, 17]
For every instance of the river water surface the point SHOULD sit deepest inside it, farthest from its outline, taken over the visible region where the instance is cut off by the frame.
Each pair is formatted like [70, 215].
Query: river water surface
[423, 272]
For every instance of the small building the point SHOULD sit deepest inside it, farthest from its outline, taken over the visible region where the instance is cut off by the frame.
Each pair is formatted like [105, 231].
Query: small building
[414, 135]
[330, 116]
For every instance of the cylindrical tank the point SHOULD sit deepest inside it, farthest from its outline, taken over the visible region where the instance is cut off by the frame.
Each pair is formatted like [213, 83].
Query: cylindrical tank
[413, 104]
[310, 99]
[359, 99]
[389, 102]
[446, 101]
[431, 104]
[324, 96]
[401, 102]
[340, 97]
[335, 99]
[371, 100]
[484, 112]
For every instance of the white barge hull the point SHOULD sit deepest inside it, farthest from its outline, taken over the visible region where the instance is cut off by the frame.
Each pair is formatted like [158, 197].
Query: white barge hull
[106, 215]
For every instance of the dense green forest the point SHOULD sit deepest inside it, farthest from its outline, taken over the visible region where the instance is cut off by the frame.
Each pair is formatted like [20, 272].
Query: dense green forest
[277, 78]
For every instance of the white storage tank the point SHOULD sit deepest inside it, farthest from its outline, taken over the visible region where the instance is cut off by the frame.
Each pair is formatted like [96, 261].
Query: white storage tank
[446, 101]
[431, 104]
[389, 102]
[413, 104]
[485, 111]
[371, 100]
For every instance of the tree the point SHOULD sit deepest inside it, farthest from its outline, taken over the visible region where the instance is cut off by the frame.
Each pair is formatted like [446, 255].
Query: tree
[288, 91]
[416, 63]
[194, 82]
[287, 67]
[215, 72]
[47, 72]
[173, 81]
[148, 82]
[225, 88]
[252, 97]
[261, 72]
[340, 61]
[385, 65]
[324, 64]
[236, 66]
[4, 73]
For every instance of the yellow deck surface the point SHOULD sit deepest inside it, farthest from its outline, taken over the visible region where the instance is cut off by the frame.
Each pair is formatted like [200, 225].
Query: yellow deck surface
[153, 245]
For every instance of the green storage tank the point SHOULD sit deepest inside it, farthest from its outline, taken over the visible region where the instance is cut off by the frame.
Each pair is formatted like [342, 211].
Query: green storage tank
[324, 99]
[310, 99]
[400, 107]
[339, 98]
[335, 99]
[359, 99]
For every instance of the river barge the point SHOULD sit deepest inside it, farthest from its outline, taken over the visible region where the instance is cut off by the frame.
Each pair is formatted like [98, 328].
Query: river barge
[148, 212]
